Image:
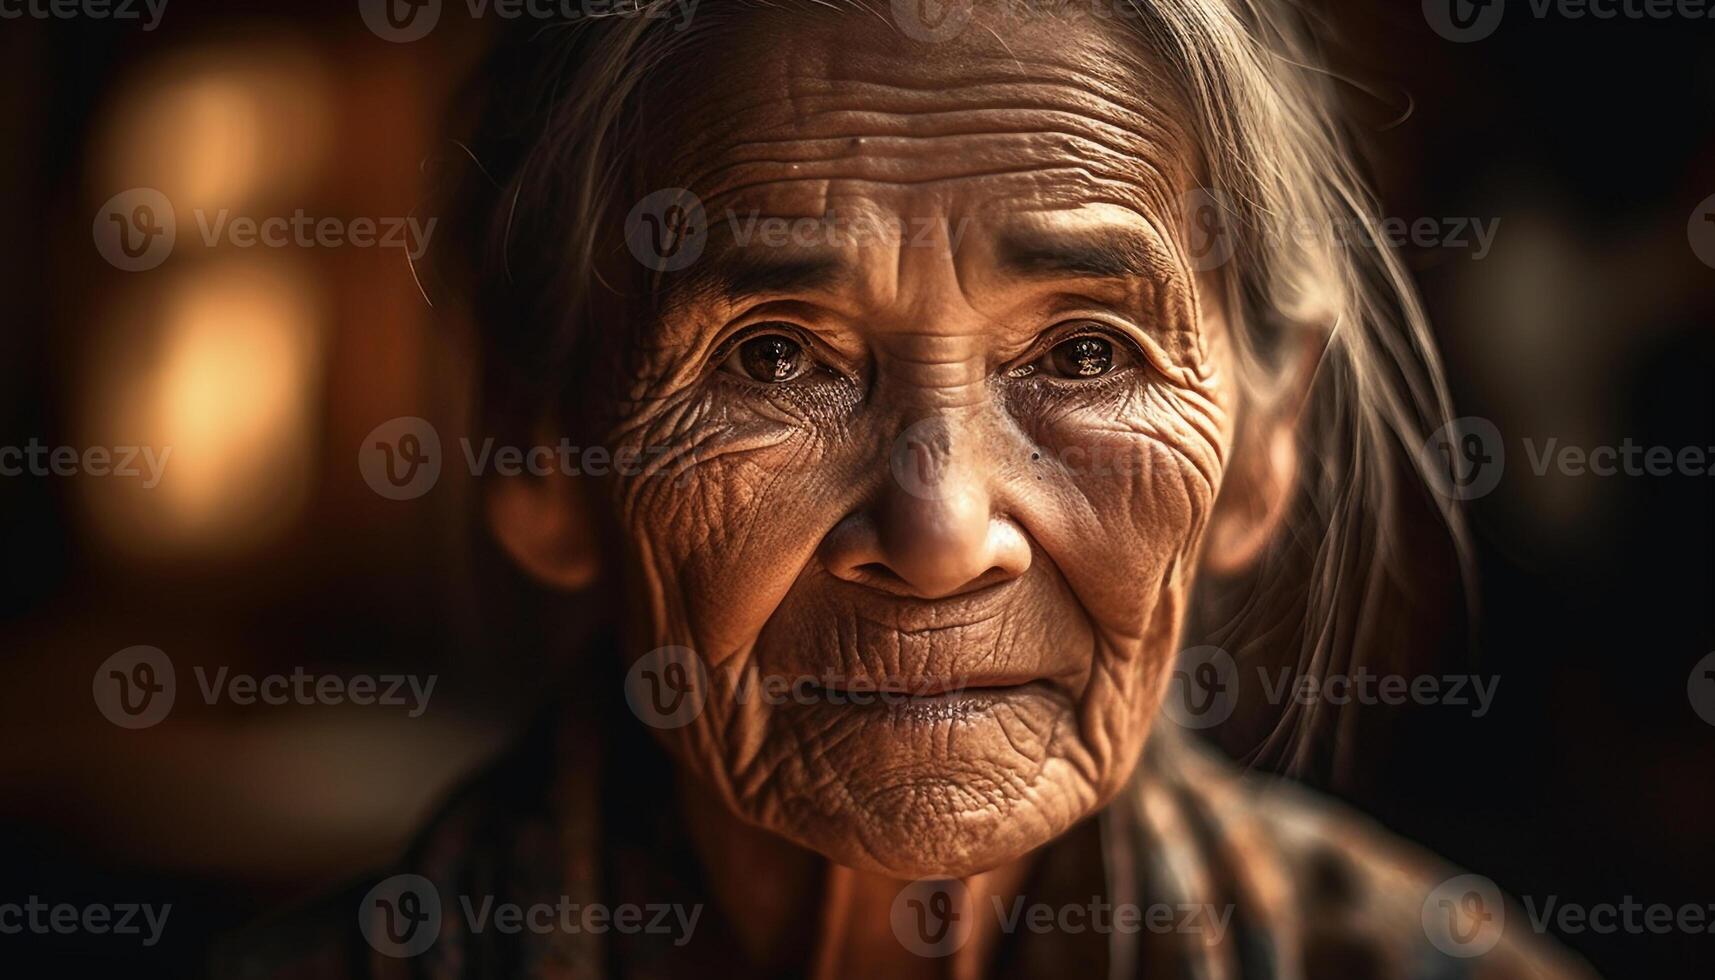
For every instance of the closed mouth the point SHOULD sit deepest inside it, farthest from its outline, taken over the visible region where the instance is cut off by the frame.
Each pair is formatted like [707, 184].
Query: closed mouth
[921, 688]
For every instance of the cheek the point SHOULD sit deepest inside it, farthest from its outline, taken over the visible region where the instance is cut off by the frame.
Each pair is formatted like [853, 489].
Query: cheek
[725, 512]
[1133, 475]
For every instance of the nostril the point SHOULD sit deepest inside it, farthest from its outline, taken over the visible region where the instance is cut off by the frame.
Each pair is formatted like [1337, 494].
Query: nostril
[878, 575]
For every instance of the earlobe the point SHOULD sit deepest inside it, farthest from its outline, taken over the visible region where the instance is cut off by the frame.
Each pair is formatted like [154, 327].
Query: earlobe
[546, 526]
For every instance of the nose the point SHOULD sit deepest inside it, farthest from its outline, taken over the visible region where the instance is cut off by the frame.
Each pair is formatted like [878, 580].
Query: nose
[931, 531]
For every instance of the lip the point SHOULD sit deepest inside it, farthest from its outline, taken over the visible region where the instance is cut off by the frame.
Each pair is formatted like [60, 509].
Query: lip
[851, 645]
[925, 688]
[933, 705]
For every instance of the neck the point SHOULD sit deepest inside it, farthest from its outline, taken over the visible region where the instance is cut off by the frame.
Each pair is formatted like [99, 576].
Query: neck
[796, 912]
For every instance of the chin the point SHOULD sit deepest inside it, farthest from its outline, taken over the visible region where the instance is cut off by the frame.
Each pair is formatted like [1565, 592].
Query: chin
[908, 825]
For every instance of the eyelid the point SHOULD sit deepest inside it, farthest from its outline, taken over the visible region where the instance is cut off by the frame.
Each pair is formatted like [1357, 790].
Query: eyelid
[818, 350]
[1072, 328]
[759, 328]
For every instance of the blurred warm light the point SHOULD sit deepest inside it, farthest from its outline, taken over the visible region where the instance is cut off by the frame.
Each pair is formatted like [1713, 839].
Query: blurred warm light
[214, 128]
[227, 373]
[217, 354]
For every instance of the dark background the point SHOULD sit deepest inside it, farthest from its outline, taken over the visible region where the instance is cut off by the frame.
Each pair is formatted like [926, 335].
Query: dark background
[1590, 322]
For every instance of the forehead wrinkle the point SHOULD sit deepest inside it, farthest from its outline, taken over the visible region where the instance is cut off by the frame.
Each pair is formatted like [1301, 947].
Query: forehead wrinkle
[961, 157]
[873, 138]
[844, 79]
[909, 112]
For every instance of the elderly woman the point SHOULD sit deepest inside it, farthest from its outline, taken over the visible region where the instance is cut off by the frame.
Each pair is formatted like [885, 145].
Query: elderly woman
[948, 364]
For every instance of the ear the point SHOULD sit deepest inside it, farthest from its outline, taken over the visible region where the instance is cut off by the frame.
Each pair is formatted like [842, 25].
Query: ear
[546, 524]
[1259, 484]
[1253, 501]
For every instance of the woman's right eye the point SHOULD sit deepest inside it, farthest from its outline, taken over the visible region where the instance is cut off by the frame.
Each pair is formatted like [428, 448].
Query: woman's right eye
[770, 358]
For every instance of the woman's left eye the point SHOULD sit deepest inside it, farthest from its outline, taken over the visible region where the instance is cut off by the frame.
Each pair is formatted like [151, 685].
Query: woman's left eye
[1078, 359]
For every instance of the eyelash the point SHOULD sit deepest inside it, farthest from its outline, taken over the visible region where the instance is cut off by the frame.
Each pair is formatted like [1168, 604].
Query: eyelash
[1069, 330]
[765, 328]
[1075, 329]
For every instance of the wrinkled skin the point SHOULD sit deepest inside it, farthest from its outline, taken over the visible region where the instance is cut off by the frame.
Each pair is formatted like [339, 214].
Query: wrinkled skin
[928, 501]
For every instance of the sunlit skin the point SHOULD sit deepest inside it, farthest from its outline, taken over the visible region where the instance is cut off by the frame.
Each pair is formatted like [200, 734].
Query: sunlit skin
[1037, 358]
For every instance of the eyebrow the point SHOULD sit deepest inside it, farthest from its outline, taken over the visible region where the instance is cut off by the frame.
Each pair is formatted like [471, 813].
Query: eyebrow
[1107, 253]
[737, 273]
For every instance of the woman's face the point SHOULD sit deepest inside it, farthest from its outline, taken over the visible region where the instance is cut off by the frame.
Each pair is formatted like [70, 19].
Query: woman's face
[956, 440]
